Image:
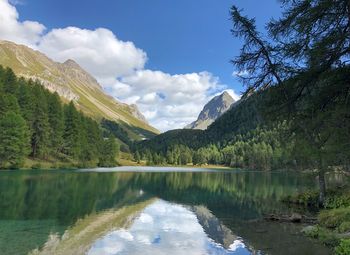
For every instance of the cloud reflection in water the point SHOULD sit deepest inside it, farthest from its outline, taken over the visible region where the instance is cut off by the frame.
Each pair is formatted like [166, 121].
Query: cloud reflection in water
[164, 228]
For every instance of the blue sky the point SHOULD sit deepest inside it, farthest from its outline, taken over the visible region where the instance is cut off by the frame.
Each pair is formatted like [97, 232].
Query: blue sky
[182, 43]
[179, 36]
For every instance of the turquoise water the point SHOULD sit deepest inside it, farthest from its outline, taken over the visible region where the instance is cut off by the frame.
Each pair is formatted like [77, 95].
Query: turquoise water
[161, 211]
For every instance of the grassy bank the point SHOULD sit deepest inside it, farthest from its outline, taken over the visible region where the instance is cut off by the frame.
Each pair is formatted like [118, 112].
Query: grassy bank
[333, 221]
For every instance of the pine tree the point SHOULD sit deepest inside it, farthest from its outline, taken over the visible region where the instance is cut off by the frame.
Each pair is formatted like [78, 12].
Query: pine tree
[14, 139]
[40, 127]
[26, 101]
[55, 114]
[109, 152]
[72, 126]
[137, 157]
[8, 103]
[9, 81]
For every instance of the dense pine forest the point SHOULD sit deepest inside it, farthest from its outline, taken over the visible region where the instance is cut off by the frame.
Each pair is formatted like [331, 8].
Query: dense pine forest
[36, 124]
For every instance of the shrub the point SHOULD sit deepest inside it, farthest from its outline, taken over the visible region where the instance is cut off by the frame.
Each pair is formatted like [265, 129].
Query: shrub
[337, 201]
[343, 248]
[344, 227]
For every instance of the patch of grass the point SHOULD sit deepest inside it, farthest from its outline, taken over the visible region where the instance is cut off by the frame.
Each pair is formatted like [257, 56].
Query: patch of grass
[334, 218]
[326, 236]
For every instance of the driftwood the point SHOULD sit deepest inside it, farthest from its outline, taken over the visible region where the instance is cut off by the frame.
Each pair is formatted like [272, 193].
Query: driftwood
[294, 218]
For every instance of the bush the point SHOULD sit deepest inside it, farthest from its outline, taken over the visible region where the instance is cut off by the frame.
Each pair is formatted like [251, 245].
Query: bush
[343, 248]
[344, 227]
[334, 218]
[337, 201]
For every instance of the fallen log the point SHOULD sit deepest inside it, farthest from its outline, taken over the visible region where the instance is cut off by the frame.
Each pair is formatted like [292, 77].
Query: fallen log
[293, 218]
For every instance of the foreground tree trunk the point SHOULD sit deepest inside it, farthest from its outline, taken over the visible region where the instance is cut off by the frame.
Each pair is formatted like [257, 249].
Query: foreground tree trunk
[322, 185]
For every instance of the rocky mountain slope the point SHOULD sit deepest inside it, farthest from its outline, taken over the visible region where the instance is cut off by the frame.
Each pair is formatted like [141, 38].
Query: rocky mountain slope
[71, 82]
[212, 110]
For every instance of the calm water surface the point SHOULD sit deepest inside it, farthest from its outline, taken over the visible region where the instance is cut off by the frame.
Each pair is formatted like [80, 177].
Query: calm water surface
[162, 211]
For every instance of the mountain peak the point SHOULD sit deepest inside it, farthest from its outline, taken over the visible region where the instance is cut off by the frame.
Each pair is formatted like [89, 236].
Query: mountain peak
[212, 110]
[71, 63]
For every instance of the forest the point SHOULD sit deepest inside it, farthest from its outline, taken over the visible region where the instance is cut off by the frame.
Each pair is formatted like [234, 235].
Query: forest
[35, 124]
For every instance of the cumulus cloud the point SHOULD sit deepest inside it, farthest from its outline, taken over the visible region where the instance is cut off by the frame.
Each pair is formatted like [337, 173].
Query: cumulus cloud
[99, 51]
[167, 101]
[26, 32]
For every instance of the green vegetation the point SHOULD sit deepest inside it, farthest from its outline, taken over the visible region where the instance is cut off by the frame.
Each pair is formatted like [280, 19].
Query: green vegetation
[343, 248]
[35, 123]
[333, 228]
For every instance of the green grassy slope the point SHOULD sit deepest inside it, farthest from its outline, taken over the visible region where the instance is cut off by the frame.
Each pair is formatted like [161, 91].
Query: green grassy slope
[71, 82]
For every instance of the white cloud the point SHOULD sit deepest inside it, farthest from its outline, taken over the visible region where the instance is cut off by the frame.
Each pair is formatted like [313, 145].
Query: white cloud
[167, 101]
[240, 73]
[99, 51]
[26, 32]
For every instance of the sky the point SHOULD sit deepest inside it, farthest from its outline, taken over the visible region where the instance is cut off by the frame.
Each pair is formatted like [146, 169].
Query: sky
[168, 57]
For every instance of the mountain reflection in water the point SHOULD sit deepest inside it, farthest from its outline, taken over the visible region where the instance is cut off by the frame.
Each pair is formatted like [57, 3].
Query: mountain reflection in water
[167, 228]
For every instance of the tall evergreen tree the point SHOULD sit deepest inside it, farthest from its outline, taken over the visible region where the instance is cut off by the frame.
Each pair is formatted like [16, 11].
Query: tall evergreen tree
[9, 81]
[56, 121]
[8, 103]
[72, 127]
[109, 152]
[14, 140]
[40, 127]
[26, 100]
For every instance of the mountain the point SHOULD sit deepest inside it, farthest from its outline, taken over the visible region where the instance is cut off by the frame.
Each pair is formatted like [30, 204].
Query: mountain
[212, 110]
[72, 82]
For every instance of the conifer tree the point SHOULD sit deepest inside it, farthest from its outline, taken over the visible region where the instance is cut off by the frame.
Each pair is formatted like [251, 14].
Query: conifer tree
[40, 127]
[8, 103]
[9, 81]
[71, 131]
[14, 140]
[109, 152]
[56, 121]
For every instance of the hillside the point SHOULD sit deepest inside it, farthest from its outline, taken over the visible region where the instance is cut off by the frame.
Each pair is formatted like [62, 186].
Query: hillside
[241, 118]
[71, 82]
[212, 110]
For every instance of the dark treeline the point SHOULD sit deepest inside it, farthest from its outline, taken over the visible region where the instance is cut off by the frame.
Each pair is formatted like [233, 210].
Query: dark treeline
[35, 123]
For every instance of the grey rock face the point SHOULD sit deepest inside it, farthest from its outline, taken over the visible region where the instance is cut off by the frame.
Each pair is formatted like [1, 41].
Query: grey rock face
[212, 110]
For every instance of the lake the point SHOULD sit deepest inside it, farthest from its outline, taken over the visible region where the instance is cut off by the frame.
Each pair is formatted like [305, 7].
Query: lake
[134, 210]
